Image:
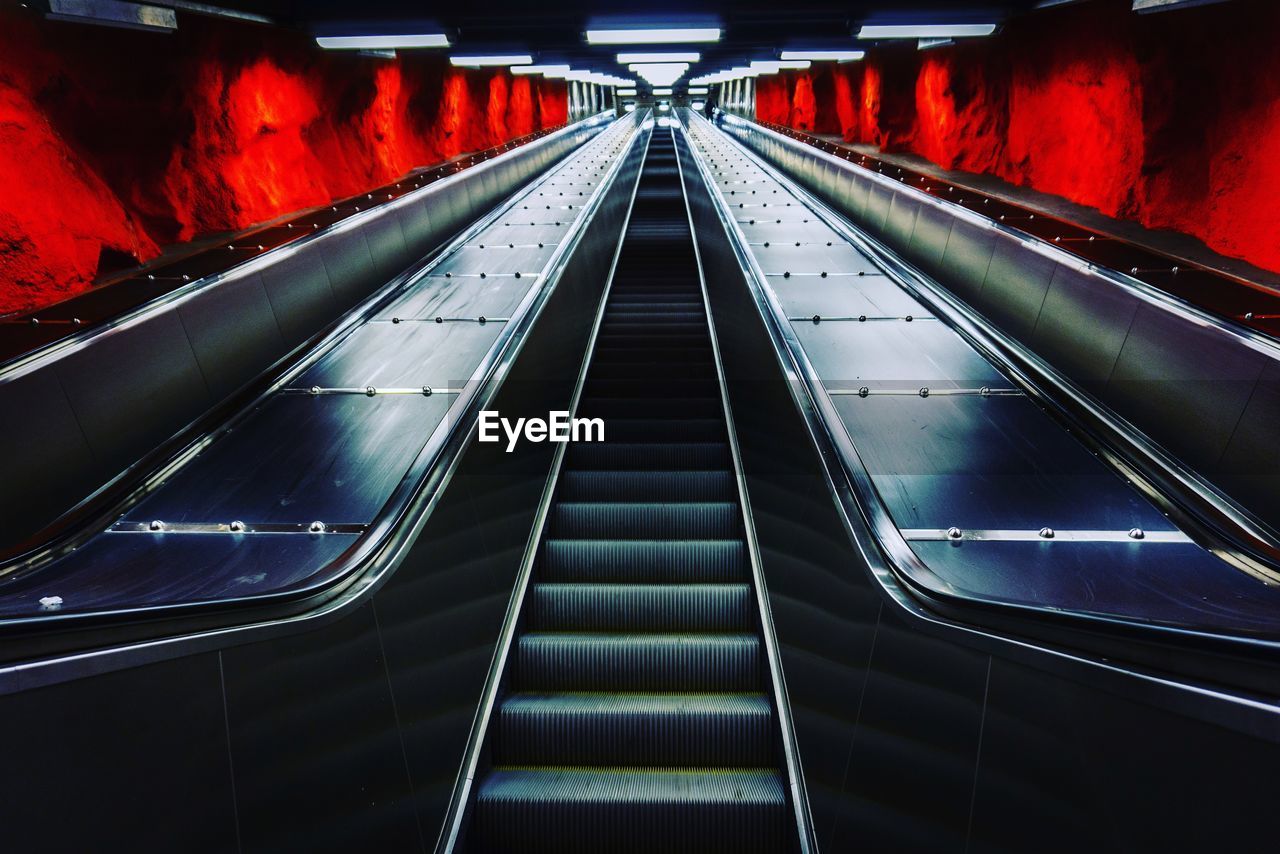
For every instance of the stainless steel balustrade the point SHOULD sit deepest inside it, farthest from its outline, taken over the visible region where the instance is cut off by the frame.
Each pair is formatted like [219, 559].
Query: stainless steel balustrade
[975, 492]
[270, 504]
[95, 411]
[1198, 396]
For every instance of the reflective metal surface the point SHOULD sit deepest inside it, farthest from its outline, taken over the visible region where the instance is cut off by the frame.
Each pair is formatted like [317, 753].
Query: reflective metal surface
[977, 461]
[920, 732]
[326, 458]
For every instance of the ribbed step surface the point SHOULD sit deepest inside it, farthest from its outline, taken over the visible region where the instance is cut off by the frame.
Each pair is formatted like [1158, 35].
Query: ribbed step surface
[637, 712]
[623, 810]
[678, 730]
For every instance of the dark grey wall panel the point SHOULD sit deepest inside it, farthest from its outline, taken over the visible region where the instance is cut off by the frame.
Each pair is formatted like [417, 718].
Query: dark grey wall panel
[49, 456]
[901, 220]
[386, 246]
[1250, 466]
[1082, 326]
[929, 239]
[300, 294]
[417, 228]
[350, 267]
[294, 790]
[132, 761]
[233, 332]
[879, 200]
[1016, 283]
[133, 389]
[1183, 384]
[967, 258]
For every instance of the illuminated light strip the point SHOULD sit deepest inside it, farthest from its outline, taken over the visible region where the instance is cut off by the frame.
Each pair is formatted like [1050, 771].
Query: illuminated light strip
[925, 31]
[491, 60]
[382, 42]
[628, 58]
[547, 70]
[656, 35]
[825, 55]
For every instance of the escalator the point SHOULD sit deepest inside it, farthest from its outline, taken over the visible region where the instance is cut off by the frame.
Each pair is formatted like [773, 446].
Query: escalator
[638, 711]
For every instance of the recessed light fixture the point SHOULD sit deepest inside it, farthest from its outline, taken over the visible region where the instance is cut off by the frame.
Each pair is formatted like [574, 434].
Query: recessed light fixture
[659, 92]
[627, 93]
[548, 70]
[660, 73]
[688, 56]
[492, 59]
[925, 31]
[382, 42]
[697, 90]
[772, 67]
[654, 35]
[824, 55]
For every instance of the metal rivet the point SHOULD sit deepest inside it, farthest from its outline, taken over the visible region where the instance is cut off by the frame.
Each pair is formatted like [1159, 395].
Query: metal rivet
[316, 527]
[315, 389]
[370, 390]
[448, 275]
[426, 391]
[817, 318]
[482, 320]
[864, 391]
[824, 274]
[35, 321]
[156, 525]
[517, 274]
[1046, 533]
[924, 392]
[786, 275]
[439, 319]
[954, 533]
[484, 275]
[236, 526]
[984, 391]
[1137, 533]
[395, 320]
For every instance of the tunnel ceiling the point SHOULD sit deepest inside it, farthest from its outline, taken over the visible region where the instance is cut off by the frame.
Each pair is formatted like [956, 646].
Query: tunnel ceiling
[752, 29]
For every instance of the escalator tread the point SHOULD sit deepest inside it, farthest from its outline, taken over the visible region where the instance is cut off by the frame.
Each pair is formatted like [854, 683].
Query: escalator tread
[637, 714]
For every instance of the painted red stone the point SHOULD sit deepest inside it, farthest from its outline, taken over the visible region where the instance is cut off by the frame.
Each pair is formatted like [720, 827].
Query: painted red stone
[114, 143]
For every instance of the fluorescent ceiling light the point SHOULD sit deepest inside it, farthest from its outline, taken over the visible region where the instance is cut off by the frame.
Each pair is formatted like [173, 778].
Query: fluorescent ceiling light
[697, 90]
[688, 56]
[660, 73]
[771, 67]
[627, 93]
[656, 35]
[492, 59]
[824, 55]
[559, 70]
[698, 106]
[925, 31]
[657, 92]
[110, 13]
[382, 42]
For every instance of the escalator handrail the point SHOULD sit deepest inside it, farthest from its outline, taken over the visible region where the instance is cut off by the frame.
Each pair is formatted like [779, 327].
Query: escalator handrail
[1232, 532]
[367, 564]
[899, 572]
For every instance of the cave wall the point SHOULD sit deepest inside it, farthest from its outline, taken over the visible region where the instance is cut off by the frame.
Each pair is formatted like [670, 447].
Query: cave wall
[116, 143]
[1171, 120]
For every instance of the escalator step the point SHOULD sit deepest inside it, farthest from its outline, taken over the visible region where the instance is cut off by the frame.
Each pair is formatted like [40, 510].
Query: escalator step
[707, 608]
[638, 561]
[653, 730]
[622, 810]
[605, 407]
[647, 485]
[638, 662]
[652, 371]
[605, 520]
[640, 455]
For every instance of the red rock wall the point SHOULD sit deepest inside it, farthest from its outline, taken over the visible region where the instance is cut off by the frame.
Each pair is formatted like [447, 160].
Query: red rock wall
[1172, 120]
[114, 143]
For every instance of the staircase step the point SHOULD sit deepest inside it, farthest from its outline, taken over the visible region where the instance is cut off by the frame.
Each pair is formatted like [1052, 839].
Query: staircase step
[643, 730]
